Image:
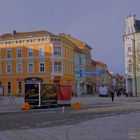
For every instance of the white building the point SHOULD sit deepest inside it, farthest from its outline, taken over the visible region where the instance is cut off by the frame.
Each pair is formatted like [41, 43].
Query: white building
[132, 55]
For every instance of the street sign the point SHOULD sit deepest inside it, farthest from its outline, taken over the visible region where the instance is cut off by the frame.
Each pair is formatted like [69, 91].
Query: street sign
[97, 72]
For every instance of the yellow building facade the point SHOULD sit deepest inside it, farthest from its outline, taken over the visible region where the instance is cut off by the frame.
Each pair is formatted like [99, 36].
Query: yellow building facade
[38, 54]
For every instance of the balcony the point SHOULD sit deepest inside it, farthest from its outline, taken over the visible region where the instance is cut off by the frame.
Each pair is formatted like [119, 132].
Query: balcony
[56, 73]
[56, 57]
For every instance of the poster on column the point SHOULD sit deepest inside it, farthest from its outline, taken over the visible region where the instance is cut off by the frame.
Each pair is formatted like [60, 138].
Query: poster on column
[48, 94]
[32, 94]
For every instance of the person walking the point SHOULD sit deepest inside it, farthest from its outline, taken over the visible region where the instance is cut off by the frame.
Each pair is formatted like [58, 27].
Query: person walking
[112, 92]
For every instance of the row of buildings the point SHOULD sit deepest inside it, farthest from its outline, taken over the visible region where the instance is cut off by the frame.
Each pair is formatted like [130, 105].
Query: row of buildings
[50, 58]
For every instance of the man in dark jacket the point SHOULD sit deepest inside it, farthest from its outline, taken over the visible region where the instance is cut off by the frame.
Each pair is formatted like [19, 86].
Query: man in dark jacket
[112, 92]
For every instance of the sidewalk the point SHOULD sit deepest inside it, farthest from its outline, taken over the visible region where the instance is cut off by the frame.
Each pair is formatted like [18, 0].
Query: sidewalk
[8, 104]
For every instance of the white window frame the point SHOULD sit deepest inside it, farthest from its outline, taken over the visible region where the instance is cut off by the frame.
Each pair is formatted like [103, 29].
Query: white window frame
[41, 51]
[30, 52]
[42, 62]
[57, 51]
[57, 67]
[19, 54]
[7, 71]
[30, 63]
[129, 49]
[19, 69]
[8, 53]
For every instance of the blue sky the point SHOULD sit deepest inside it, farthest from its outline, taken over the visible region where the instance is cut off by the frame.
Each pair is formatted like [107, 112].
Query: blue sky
[99, 23]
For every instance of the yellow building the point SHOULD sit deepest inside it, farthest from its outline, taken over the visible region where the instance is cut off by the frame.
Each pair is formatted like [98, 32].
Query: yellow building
[38, 54]
[84, 84]
[101, 79]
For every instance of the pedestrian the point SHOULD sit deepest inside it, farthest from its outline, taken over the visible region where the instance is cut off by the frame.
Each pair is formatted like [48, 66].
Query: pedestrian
[112, 92]
[118, 92]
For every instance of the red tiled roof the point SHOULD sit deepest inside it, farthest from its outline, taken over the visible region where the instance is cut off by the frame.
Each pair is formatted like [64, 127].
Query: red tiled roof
[24, 34]
[100, 63]
[78, 43]
[93, 62]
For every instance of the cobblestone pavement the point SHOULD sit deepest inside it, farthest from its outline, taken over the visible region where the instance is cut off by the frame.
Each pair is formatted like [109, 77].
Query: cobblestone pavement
[120, 127]
[123, 127]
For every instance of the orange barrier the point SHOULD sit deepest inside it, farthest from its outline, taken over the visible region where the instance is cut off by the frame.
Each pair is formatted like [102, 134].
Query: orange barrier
[25, 106]
[76, 105]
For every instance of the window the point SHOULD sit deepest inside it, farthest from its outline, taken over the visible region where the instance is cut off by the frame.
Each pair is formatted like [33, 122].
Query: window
[128, 30]
[9, 88]
[129, 49]
[19, 85]
[42, 66]
[57, 66]
[30, 67]
[19, 67]
[19, 52]
[8, 53]
[41, 51]
[30, 51]
[132, 29]
[57, 51]
[80, 61]
[130, 67]
[8, 68]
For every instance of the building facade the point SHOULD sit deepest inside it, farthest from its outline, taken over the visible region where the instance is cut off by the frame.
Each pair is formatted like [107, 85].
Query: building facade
[101, 79]
[132, 55]
[84, 83]
[38, 54]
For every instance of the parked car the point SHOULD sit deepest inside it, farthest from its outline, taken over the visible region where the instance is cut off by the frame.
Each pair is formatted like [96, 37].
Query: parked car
[103, 91]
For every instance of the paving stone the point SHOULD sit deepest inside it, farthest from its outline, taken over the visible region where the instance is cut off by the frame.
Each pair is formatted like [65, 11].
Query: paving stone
[3, 136]
[27, 135]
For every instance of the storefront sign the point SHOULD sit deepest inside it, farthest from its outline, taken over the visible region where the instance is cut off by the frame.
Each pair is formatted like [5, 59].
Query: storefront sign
[33, 80]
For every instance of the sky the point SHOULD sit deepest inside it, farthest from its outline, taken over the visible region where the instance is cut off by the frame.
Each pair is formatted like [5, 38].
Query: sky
[99, 23]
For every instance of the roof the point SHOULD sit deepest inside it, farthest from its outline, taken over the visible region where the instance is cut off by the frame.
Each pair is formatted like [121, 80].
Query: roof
[16, 35]
[93, 62]
[78, 43]
[101, 63]
[78, 50]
